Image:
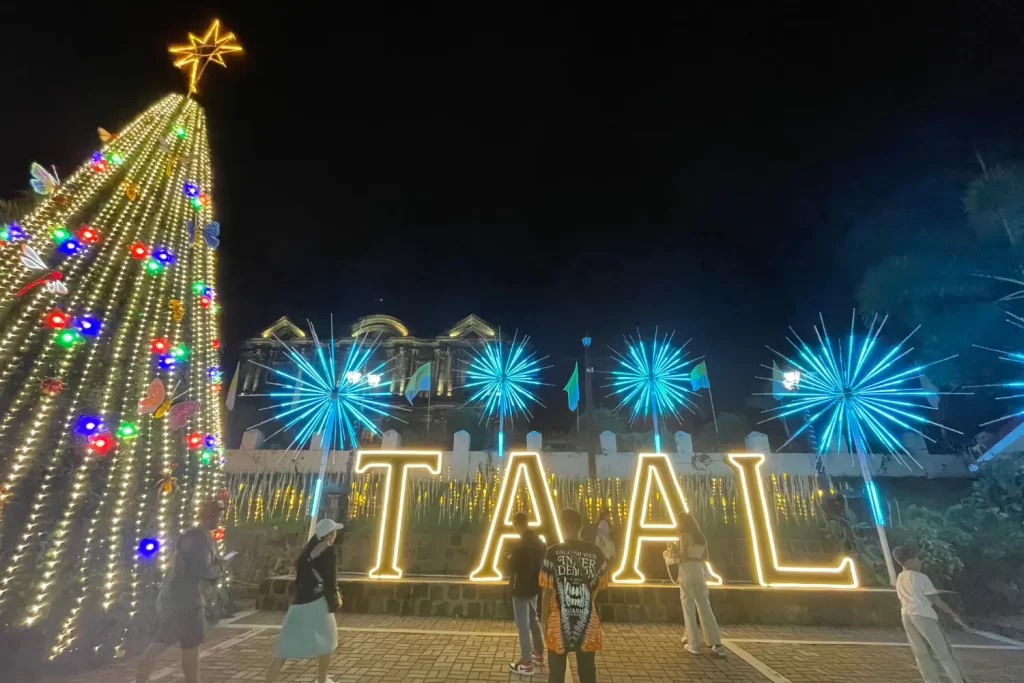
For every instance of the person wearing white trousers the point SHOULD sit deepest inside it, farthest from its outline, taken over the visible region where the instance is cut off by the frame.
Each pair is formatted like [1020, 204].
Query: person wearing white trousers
[693, 589]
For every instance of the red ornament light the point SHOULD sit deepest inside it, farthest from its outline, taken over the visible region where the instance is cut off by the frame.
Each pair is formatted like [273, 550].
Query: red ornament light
[51, 386]
[138, 250]
[205, 301]
[215, 388]
[159, 344]
[100, 444]
[87, 235]
[194, 440]
[100, 166]
[223, 494]
[218, 534]
[215, 343]
[203, 199]
[56, 319]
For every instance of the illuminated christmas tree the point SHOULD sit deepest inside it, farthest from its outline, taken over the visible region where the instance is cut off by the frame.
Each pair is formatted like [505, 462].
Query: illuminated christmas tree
[110, 384]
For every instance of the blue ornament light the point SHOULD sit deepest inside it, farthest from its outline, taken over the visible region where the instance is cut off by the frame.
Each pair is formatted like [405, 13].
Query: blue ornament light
[859, 394]
[70, 246]
[503, 383]
[210, 441]
[653, 382]
[330, 397]
[87, 425]
[87, 325]
[163, 255]
[148, 547]
[190, 189]
[167, 361]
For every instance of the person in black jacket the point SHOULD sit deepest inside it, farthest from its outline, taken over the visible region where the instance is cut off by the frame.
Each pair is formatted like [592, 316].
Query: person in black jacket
[524, 568]
[310, 629]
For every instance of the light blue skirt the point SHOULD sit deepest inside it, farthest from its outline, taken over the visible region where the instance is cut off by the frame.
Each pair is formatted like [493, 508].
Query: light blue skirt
[309, 631]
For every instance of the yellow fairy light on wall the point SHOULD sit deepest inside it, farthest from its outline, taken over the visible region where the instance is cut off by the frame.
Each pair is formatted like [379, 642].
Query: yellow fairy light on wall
[201, 51]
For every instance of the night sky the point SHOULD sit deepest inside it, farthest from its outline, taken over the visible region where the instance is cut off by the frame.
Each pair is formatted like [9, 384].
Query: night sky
[684, 171]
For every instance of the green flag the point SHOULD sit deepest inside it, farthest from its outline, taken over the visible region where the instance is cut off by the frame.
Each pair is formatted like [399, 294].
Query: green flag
[699, 377]
[572, 388]
[420, 381]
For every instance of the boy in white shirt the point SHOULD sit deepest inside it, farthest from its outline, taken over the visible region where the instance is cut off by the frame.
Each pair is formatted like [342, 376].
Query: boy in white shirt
[918, 600]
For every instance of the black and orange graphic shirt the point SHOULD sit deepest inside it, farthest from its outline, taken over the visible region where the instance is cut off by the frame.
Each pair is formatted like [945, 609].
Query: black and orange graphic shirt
[573, 572]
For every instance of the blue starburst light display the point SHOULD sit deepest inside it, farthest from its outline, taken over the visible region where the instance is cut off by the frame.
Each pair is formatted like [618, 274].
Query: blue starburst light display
[1014, 387]
[857, 395]
[653, 381]
[503, 383]
[330, 395]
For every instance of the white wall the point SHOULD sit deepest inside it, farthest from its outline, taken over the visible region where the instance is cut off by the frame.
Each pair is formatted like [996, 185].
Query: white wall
[459, 465]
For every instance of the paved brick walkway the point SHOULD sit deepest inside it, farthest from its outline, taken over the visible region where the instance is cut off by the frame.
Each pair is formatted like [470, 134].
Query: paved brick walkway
[383, 649]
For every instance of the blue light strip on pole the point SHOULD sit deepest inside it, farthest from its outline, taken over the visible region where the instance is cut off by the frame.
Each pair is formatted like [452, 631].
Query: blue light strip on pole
[876, 503]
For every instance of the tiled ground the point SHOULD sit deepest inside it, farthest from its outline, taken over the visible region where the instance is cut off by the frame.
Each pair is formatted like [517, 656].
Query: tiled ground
[382, 649]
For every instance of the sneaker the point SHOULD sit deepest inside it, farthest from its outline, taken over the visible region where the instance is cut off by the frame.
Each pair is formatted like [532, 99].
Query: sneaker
[719, 650]
[685, 641]
[522, 668]
[538, 659]
[328, 680]
[692, 650]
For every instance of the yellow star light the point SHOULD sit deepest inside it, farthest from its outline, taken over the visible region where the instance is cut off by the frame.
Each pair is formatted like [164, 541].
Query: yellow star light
[201, 51]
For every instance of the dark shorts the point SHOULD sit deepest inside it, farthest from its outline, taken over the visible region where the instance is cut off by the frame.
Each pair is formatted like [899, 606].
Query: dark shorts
[186, 629]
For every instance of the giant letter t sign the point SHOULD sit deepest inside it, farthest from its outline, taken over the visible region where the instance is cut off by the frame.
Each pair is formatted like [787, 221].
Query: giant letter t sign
[392, 510]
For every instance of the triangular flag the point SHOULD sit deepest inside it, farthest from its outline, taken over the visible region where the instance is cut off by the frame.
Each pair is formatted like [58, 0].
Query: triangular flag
[233, 388]
[572, 388]
[420, 381]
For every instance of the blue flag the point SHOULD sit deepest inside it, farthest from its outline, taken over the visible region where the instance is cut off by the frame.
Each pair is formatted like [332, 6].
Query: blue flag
[572, 388]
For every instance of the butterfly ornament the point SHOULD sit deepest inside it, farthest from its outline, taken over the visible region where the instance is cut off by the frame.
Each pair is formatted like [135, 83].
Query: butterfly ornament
[105, 136]
[211, 233]
[43, 182]
[30, 259]
[158, 403]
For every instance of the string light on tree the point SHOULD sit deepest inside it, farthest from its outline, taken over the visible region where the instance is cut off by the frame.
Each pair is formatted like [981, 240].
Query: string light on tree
[119, 311]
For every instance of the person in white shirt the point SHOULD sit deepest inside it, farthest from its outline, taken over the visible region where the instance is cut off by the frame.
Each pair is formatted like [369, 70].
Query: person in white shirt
[918, 600]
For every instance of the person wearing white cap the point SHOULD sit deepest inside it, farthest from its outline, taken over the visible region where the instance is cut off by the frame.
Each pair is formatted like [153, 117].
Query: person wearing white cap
[310, 629]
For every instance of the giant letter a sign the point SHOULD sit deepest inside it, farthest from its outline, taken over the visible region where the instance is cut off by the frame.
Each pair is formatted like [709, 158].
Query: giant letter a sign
[652, 470]
[521, 467]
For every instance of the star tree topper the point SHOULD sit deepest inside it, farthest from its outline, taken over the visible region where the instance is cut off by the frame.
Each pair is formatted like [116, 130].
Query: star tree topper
[201, 51]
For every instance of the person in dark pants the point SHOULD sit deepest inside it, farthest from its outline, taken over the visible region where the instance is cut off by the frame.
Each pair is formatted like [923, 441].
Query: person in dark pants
[180, 606]
[524, 563]
[571, 575]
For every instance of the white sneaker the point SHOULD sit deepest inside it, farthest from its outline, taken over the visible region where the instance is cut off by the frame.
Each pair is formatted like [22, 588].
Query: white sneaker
[328, 680]
[521, 668]
[692, 650]
[719, 650]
